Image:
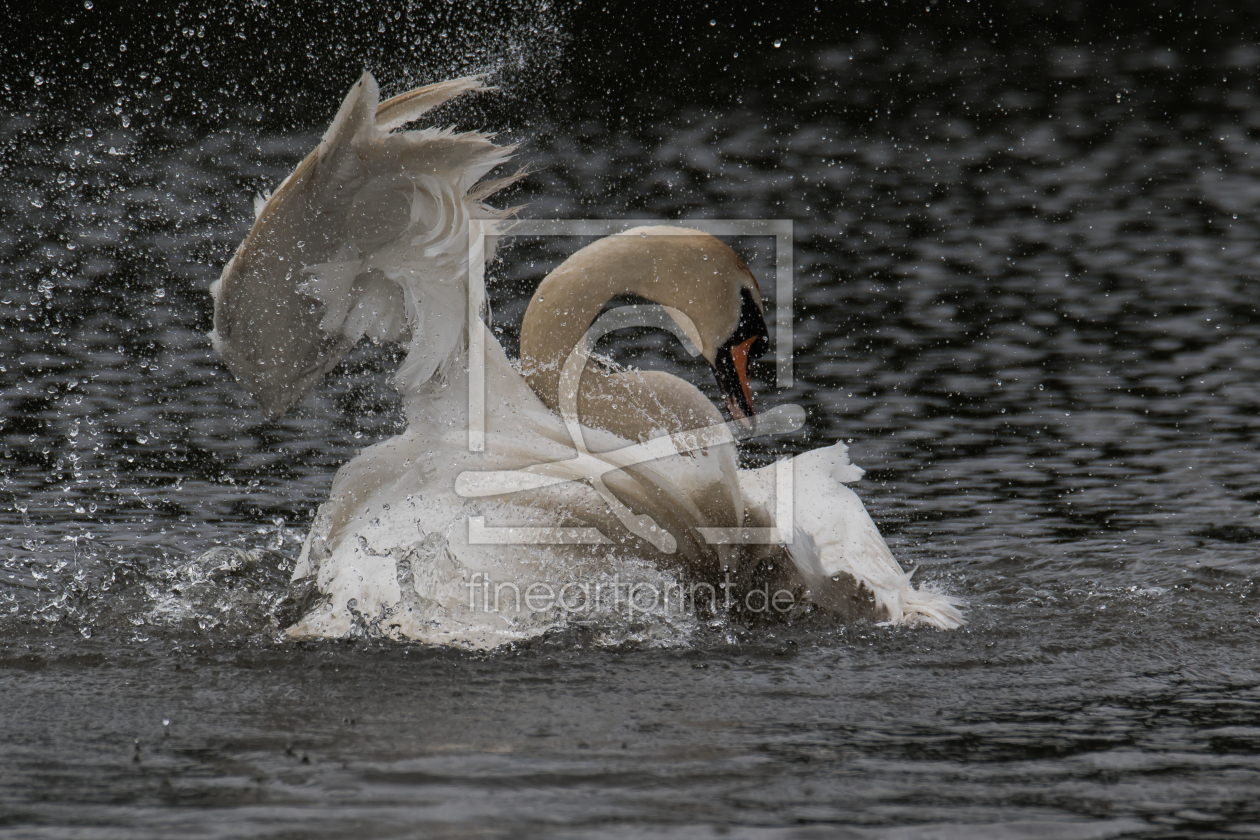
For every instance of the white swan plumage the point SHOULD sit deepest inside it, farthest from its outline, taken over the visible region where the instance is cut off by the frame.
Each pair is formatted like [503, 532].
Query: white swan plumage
[370, 237]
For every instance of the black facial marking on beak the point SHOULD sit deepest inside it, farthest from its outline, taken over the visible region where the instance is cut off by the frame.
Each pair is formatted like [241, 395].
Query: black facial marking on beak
[750, 341]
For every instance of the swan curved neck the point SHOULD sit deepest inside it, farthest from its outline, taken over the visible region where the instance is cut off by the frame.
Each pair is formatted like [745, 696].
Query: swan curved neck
[684, 269]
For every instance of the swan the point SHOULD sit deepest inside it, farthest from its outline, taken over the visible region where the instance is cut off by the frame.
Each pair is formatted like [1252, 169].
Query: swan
[592, 485]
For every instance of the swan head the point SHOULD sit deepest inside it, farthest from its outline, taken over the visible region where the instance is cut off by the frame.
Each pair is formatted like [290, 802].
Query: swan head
[748, 342]
[702, 277]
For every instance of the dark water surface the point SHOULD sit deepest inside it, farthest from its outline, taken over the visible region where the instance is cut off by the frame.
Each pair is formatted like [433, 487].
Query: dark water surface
[1026, 291]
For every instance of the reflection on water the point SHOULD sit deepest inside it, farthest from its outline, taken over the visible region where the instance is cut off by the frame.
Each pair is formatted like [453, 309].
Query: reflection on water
[1024, 292]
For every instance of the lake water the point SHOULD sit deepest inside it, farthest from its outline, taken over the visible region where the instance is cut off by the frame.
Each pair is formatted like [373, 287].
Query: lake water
[1026, 282]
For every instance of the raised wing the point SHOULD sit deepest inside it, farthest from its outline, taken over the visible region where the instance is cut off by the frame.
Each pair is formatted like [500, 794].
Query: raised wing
[368, 236]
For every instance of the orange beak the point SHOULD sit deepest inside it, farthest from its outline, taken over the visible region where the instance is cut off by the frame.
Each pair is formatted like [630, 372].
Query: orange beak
[749, 341]
[733, 380]
[739, 356]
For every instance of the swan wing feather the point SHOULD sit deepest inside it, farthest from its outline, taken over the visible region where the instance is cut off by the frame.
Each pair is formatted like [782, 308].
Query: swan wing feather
[367, 236]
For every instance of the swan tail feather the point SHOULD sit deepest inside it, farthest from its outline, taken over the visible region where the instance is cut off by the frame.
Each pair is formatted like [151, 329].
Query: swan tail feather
[835, 538]
[926, 607]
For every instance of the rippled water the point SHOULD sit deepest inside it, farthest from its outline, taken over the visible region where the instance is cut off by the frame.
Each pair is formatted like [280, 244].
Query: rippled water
[1025, 285]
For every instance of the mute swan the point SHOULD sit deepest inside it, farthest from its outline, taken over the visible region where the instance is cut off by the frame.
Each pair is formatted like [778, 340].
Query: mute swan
[588, 477]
